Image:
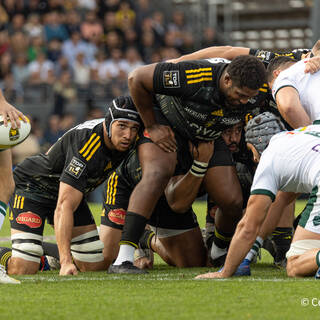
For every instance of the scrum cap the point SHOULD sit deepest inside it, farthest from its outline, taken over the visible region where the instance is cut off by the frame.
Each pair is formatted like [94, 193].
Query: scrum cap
[121, 108]
[261, 128]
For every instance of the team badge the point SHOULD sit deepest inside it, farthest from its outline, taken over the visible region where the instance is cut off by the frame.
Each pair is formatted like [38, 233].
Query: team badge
[75, 167]
[14, 134]
[171, 79]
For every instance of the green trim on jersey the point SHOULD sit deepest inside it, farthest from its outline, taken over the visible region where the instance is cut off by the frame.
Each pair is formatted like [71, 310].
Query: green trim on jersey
[263, 192]
[308, 208]
[316, 122]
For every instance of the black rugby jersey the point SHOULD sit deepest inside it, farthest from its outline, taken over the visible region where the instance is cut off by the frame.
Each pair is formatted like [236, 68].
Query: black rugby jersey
[79, 158]
[189, 97]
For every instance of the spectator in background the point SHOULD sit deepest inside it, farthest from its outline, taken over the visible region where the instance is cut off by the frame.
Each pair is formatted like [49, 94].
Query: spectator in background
[110, 24]
[81, 71]
[143, 10]
[158, 26]
[178, 26]
[148, 46]
[125, 16]
[19, 43]
[20, 69]
[130, 37]
[54, 50]
[72, 47]
[99, 68]
[113, 41]
[132, 60]
[13, 7]
[64, 92]
[90, 5]
[52, 133]
[62, 65]
[68, 121]
[53, 27]
[73, 22]
[5, 64]
[12, 90]
[37, 45]
[91, 27]
[188, 44]
[109, 5]
[33, 27]
[39, 7]
[41, 70]
[16, 24]
[116, 66]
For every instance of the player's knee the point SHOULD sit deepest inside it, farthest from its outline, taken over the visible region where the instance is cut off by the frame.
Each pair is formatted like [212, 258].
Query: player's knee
[232, 206]
[157, 176]
[7, 188]
[87, 248]
[292, 270]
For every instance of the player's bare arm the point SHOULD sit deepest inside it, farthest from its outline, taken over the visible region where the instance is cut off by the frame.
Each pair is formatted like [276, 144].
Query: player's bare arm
[226, 52]
[140, 83]
[9, 111]
[68, 201]
[290, 107]
[246, 233]
[183, 190]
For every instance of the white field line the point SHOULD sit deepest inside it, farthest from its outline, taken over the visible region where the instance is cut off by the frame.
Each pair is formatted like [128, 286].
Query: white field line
[162, 277]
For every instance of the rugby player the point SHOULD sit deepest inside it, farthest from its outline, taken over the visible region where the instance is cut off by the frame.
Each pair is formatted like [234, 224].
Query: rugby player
[53, 186]
[7, 111]
[290, 163]
[175, 234]
[193, 97]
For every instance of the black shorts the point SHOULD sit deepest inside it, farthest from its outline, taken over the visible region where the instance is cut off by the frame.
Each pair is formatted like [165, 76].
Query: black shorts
[115, 204]
[28, 215]
[221, 156]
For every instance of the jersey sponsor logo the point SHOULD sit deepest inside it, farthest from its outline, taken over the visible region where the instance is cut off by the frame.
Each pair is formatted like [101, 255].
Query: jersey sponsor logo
[30, 219]
[171, 79]
[198, 75]
[90, 147]
[203, 133]
[218, 113]
[75, 167]
[195, 114]
[117, 216]
[263, 55]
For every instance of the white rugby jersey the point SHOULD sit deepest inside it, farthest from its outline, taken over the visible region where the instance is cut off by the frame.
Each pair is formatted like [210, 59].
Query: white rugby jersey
[307, 85]
[290, 163]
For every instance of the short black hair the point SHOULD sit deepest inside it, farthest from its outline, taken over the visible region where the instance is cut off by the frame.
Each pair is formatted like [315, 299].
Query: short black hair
[247, 71]
[277, 62]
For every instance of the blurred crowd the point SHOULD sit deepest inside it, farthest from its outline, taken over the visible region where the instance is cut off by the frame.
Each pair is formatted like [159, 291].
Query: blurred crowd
[81, 51]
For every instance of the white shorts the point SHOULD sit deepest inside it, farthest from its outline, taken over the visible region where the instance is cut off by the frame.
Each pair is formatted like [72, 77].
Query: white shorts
[299, 247]
[310, 218]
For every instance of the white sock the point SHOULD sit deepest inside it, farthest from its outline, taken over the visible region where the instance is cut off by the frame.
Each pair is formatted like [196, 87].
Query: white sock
[126, 253]
[3, 209]
[217, 252]
[255, 249]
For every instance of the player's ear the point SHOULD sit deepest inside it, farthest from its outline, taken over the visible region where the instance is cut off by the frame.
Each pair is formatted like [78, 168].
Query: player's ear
[227, 80]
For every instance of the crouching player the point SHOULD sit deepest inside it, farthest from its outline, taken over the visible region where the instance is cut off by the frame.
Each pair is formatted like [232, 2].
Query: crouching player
[53, 186]
[290, 164]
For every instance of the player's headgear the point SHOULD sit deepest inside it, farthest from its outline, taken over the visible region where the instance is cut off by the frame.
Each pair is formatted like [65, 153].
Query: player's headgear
[121, 108]
[261, 128]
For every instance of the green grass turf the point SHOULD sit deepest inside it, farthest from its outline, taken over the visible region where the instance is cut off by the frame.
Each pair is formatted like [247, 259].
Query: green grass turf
[164, 293]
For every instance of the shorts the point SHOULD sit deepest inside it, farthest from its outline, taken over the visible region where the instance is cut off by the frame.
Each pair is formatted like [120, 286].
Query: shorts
[310, 216]
[221, 156]
[115, 204]
[299, 247]
[28, 215]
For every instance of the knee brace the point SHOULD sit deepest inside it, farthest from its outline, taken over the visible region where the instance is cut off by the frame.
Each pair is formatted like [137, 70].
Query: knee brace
[87, 247]
[27, 246]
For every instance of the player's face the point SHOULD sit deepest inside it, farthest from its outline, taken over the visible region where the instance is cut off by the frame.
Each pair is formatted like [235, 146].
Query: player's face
[239, 95]
[123, 134]
[232, 137]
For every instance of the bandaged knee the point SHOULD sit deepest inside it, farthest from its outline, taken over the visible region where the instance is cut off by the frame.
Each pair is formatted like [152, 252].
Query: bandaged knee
[87, 247]
[27, 246]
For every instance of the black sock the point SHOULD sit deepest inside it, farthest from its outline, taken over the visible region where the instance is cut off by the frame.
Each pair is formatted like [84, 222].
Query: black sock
[5, 255]
[282, 238]
[146, 238]
[133, 229]
[222, 239]
[50, 249]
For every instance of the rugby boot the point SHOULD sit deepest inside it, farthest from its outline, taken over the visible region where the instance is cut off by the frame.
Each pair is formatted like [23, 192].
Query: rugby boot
[243, 269]
[4, 278]
[126, 267]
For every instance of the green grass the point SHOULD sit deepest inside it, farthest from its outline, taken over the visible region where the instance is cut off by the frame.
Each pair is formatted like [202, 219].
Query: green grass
[164, 293]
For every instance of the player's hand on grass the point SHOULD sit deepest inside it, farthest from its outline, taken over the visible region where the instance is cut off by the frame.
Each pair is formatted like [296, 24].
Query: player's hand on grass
[163, 136]
[9, 111]
[312, 65]
[203, 152]
[68, 269]
[143, 263]
[210, 275]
